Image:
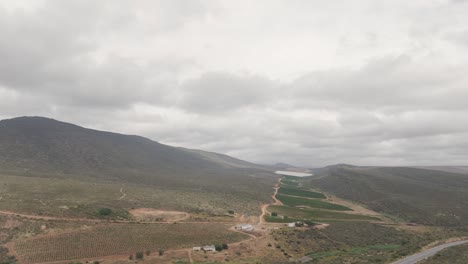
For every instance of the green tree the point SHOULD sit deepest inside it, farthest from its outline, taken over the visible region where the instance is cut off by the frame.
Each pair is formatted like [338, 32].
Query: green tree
[219, 247]
[161, 252]
[139, 255]
[105, 211]
[274, 214]
[225, 246]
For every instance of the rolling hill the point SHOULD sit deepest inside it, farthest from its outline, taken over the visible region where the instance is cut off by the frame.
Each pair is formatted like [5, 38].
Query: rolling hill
[418, 195]
[42, 148]
[453, 169]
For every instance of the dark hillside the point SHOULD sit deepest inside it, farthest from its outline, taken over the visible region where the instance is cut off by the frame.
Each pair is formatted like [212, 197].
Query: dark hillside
[422, 196]
[36, 146]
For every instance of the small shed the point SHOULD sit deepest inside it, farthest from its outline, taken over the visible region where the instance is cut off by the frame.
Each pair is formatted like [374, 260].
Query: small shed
[197, 248]
[246, 227]
[209, 248]
[291, 224]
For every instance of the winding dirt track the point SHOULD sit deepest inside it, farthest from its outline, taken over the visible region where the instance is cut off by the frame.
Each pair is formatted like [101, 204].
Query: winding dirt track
[265, 206]
[123, 194]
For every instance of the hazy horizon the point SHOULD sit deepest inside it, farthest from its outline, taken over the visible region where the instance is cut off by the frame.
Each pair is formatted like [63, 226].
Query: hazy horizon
[374, 83]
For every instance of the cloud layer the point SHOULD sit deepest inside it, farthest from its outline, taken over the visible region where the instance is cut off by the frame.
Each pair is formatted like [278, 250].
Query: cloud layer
[302, 82]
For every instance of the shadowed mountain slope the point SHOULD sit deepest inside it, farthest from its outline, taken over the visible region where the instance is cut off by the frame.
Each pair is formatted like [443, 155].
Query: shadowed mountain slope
[453, 169]
[36, 146]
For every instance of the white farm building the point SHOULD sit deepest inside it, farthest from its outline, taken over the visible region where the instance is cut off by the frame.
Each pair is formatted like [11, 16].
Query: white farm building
[209, 248]
[245, 227]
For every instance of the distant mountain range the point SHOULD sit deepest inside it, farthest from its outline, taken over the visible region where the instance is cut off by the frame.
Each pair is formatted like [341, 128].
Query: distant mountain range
[40, 146]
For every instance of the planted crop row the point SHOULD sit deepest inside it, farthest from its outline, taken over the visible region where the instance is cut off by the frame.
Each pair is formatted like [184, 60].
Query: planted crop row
[297, 201]
[122, 239]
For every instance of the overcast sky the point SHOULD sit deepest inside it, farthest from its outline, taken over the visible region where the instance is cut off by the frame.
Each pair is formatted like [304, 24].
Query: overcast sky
[307, 82]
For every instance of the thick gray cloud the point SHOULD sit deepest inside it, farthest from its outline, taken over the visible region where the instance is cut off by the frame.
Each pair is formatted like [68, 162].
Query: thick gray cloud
[303, 82]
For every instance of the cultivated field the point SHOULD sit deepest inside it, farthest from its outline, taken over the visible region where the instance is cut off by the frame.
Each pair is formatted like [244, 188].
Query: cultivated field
[313, 203]
[290, 214]
[122, 239]
[298, 192]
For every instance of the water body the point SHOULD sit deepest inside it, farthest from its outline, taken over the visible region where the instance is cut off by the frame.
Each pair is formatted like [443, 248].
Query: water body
[293, 173]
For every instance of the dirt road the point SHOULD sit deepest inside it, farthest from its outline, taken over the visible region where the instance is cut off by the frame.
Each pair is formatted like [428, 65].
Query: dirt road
[122, 193]
[276, 202]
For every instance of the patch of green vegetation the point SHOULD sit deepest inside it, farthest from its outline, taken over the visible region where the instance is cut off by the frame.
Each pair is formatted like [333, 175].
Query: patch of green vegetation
[299, 192]
[292, 183]
[314, 214]
[180, 262]
[105, 211]
[297, 201]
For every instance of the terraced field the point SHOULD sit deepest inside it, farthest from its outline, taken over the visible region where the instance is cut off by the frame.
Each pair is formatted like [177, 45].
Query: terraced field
[314, 214]
[126, 239]
[294, 191]
[313, 203]
[303, 204]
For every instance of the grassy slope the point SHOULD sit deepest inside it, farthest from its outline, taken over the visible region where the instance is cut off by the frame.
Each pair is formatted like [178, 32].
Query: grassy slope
[423, 196]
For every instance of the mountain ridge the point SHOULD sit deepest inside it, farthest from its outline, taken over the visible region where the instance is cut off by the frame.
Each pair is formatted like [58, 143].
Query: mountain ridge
[45, 146]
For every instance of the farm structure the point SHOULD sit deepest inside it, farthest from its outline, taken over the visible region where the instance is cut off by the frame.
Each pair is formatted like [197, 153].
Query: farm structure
[245, 227]
[210, 248]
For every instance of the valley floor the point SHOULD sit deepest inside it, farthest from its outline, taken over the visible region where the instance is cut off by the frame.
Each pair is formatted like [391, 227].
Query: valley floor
[325, 229]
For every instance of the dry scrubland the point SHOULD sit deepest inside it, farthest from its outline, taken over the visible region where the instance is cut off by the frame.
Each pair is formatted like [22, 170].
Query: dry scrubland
[453, 255]
[421, 196]
[356, 242]
[123, 239]
[76, 198]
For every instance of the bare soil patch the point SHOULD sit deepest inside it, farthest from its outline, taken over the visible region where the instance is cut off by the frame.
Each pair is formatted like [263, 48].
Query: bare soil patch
[321, 226]
[154, 215]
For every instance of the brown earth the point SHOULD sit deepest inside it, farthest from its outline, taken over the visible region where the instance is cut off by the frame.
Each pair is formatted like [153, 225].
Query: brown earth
[154, 215]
